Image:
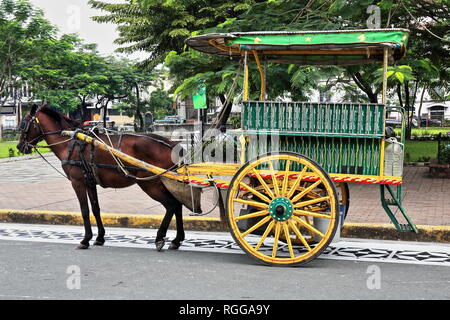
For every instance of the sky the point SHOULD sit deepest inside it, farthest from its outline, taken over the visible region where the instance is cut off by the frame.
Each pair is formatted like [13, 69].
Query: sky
[74, 16]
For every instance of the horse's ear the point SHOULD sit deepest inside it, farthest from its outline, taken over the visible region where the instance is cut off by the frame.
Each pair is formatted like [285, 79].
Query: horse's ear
[33, 110]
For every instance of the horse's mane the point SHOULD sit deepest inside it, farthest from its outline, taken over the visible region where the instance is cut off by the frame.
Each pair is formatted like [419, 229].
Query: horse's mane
[57, 116]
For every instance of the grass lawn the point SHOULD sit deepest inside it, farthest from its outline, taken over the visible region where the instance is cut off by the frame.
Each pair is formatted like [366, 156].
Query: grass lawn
[430, 131]
[5, 146]
[416, 151]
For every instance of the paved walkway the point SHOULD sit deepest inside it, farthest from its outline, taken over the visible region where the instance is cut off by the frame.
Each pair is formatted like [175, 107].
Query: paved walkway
[33, 185]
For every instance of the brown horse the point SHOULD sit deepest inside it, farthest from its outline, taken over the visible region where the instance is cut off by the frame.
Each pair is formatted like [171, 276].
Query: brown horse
[47, 124]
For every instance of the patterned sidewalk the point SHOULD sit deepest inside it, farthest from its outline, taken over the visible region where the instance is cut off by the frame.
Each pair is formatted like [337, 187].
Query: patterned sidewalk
[32, 184]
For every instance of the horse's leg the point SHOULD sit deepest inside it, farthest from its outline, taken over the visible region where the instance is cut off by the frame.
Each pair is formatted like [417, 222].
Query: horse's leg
[162, 231]
[158, 192]
[81, 192]
[180, 229]
[93, 197]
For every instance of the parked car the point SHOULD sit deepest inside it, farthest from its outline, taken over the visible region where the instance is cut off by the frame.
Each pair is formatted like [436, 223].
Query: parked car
[430, 122]
[171, 119]
[395, 123]
[126, 127]
[91, 124]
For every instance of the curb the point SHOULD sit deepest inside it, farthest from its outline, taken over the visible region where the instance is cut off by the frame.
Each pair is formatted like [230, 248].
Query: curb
[351, 230]
[109, 220]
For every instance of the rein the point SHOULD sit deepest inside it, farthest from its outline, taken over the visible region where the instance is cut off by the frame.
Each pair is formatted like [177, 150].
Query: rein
[56, 169]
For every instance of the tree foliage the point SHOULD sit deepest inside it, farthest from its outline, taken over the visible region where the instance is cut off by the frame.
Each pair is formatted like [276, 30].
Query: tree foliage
[161, 26]
[23, 31]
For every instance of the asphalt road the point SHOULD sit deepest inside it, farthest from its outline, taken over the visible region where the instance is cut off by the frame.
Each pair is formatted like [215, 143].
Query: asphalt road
[34, 270]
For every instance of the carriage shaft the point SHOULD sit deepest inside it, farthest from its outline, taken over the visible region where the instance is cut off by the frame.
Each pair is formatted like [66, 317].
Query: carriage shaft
[182, 175]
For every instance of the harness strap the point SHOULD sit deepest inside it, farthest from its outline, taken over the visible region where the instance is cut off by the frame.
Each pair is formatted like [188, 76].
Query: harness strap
[100, 165]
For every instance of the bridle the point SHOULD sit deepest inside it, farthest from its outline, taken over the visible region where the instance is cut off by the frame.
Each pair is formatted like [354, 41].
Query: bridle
[24, 127]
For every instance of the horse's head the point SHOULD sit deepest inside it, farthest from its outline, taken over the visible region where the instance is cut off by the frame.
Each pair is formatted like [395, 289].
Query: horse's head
[30, 131]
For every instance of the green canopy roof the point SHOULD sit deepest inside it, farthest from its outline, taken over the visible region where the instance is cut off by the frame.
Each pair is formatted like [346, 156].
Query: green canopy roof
[342, 47]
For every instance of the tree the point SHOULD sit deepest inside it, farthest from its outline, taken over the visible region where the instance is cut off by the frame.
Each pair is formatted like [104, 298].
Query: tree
[147, 25]
[23, 30]
[67, 74]
[126, 83]
[160, 103]
[70, 74]
[161, 26]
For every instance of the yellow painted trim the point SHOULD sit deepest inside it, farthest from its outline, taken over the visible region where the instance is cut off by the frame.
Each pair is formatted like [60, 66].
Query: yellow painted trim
[337, 176]
[243, 141]
[262, 95]
[210, 168]
[246, 91]
[382, 157]
[213, 43]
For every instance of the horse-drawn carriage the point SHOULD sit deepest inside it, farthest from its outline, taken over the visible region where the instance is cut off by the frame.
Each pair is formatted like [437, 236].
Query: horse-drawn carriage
[287, 197]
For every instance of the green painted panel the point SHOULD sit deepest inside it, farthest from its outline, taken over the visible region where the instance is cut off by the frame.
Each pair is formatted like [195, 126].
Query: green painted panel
[321, 119]
[335, 155]
[318, 38]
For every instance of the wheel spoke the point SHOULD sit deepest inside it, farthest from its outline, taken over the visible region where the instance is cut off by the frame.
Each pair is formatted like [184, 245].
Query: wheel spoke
[311, 214]
[306, 191]
[296, 183]
[288, 239]
[309, 202]
[286, 178]
[256, 226]
[256, 193]
[299, 235]
[264, 184]
[275, 240]
[274, 179]
[265, 234]
[252, 203]
[252, 215]
[308, 226]
[308, 222]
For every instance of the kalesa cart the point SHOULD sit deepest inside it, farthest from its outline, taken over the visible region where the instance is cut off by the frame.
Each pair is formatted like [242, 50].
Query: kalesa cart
[287, 198]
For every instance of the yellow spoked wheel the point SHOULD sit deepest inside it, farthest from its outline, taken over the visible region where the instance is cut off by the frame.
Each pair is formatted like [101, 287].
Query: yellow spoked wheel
[278, 193]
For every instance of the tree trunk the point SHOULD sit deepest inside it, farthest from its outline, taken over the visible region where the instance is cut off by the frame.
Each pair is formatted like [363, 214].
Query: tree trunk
[365, 87]
[420, 105]
[83, 110]
[138, 109]
[224, 114]
[408, 111]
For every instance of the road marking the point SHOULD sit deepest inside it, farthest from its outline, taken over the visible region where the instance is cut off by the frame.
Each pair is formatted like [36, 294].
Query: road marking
[346, 249]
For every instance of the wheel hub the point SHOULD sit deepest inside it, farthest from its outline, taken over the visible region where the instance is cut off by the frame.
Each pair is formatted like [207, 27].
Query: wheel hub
[281, 209]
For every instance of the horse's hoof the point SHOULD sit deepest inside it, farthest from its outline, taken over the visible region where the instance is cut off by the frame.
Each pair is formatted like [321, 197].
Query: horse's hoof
[174, 246]
[99, 243]
[82, 246]
[159, 244]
